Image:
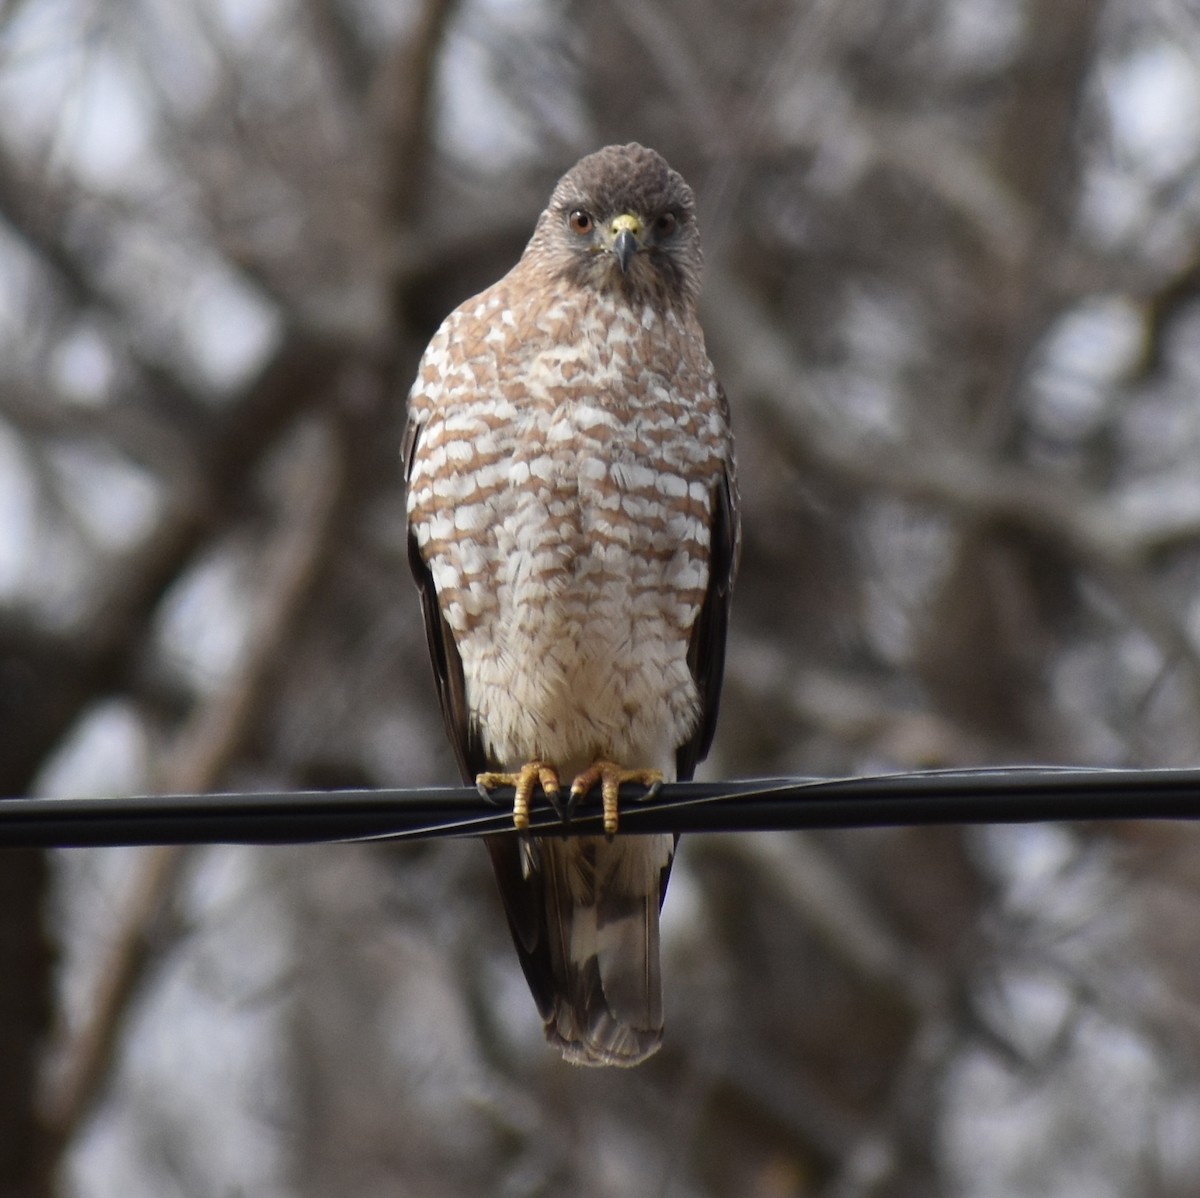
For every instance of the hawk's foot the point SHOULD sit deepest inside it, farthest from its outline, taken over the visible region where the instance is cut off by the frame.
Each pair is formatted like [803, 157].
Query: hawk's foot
[531, 774]
[611, 777]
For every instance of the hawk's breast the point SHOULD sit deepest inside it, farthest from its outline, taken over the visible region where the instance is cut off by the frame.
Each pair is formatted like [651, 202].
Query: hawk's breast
[568, 532]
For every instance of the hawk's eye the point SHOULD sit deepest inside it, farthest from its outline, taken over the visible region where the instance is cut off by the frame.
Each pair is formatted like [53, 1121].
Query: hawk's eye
[666, 224]
[580, 222]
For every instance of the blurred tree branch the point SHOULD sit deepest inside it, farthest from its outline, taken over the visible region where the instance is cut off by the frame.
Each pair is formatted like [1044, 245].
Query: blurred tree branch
[969, 538]
[405, 102]
[40, 214]
[207, 747]
[1091, 531]
[299, 374]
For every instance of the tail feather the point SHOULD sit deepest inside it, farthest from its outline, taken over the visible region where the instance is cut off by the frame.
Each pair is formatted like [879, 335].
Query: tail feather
[585, 923]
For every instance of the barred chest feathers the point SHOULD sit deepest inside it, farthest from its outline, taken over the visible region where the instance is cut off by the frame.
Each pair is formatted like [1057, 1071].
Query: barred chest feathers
[572, 553]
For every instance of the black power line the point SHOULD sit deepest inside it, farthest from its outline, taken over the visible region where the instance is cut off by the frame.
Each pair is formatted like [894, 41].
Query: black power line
[987, 796]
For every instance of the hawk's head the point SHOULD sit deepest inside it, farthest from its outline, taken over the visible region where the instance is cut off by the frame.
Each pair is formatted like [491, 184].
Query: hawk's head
[621, 220]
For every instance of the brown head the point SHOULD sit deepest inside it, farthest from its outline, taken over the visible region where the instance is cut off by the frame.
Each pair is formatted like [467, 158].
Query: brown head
[622, 221]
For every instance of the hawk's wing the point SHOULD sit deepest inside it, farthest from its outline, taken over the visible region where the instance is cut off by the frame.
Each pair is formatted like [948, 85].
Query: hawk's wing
[523, 896]
[443, 652]
[706, 652]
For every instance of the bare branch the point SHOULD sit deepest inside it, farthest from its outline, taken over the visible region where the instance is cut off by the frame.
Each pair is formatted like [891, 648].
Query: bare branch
[823, 900]
[38, 213]
[406, 103]
[1089, 529]
[207, 747]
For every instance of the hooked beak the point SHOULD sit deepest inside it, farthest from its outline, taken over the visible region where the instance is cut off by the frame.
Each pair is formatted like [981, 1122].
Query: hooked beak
[626, 239]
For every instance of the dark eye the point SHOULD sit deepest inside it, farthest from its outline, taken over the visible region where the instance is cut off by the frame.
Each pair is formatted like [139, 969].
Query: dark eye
[580, 222]
[666, 224]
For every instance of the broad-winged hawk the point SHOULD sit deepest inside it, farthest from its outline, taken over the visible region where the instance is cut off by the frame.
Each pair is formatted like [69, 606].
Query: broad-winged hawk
[573, 529]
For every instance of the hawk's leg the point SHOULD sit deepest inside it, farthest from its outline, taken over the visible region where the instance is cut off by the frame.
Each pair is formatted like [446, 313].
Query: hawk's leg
[531, 774]
[611, 776]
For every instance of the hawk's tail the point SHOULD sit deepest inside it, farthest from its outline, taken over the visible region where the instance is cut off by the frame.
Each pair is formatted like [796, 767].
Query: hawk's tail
[585, 923]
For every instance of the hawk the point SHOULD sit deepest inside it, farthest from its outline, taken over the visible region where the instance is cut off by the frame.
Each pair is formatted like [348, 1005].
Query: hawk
[573, 531]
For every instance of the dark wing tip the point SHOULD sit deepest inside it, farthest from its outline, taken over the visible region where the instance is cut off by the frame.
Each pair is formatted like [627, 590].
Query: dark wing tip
[706, 652]
[461, 728]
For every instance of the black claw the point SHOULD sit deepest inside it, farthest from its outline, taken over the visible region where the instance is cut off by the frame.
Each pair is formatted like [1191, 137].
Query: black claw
[651, 792]
[553, 797]
[484, 793]
[572, 803]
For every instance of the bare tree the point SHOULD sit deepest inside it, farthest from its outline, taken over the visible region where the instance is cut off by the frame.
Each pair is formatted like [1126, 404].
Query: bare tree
[952, 292]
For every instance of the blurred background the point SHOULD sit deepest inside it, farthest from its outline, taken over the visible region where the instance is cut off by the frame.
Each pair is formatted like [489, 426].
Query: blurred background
[953, 291]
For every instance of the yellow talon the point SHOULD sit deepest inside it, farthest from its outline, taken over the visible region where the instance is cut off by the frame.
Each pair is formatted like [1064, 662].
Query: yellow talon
[611, 777]
[531, 774]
